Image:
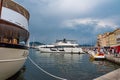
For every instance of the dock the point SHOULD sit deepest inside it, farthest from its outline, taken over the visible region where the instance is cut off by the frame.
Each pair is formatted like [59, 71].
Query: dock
[114, 75]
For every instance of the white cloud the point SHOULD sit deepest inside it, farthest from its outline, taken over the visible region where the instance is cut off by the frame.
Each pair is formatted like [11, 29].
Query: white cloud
[96, 23]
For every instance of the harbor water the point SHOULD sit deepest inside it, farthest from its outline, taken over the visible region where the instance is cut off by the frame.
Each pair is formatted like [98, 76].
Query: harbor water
[67, 66]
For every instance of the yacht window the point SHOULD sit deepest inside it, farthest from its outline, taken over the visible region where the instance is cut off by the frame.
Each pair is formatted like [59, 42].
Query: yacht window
[14, 6]
[13, 35]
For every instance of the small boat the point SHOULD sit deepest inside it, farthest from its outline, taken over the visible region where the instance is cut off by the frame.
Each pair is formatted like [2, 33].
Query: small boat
[97, 55]
[14, 37]
[62, 46]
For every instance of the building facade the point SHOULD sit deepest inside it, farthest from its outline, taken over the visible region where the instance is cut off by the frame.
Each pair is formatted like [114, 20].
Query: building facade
[117, 35]
[109, 39]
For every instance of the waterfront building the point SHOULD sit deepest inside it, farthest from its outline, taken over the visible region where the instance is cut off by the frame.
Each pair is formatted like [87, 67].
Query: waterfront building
[103, 39]
[109, 39]
[117, 36]
[112, 39]
[99, 40]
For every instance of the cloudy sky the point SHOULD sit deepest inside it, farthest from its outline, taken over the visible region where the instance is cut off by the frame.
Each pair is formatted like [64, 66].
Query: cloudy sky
[80, 20]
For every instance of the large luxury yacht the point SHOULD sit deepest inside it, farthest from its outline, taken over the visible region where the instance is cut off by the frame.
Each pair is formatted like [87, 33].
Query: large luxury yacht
[62, 46]
[14, 37]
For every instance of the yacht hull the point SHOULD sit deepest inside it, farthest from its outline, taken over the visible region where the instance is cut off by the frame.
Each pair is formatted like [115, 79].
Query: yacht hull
[63, 50]
[14, 37]
[11, 61]
[61, 46]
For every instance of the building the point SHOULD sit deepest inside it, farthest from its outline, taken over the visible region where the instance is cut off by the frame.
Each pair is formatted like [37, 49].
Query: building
[112, 39]
[103, 40]
[117, 36]
[109, 39]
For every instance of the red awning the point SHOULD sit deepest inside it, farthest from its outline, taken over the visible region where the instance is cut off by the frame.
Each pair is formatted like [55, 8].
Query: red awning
[117, 49]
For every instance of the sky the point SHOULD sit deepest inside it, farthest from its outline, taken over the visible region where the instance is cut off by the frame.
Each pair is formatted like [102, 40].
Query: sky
[80, 20]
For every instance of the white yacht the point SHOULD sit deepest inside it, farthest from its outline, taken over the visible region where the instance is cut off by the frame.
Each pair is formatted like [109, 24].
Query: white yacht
[14, 37]
[62, 46]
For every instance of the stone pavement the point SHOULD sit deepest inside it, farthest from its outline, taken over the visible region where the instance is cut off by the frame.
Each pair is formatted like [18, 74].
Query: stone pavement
[114, 75]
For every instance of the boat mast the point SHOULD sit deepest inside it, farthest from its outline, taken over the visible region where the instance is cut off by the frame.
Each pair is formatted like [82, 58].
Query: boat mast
[1, 2]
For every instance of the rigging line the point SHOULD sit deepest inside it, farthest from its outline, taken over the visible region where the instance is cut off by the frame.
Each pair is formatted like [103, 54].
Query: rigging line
[46, 71]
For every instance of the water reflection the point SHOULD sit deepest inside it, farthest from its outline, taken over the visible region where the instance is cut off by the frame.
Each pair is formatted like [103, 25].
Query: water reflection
[69, 66]
[65, 65]
[74, 66]
[104, 66]
[19, 75]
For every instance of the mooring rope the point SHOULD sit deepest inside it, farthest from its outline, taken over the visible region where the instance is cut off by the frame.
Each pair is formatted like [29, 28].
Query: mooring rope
[46, 71]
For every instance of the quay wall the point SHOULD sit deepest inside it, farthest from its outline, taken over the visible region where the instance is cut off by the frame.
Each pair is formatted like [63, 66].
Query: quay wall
[113, 58]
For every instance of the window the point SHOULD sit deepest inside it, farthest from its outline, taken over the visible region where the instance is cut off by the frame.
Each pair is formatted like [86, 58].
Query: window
[14, 6]
[13, 35]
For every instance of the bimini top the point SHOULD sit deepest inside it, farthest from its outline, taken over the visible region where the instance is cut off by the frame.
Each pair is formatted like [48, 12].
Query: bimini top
[16, 7]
